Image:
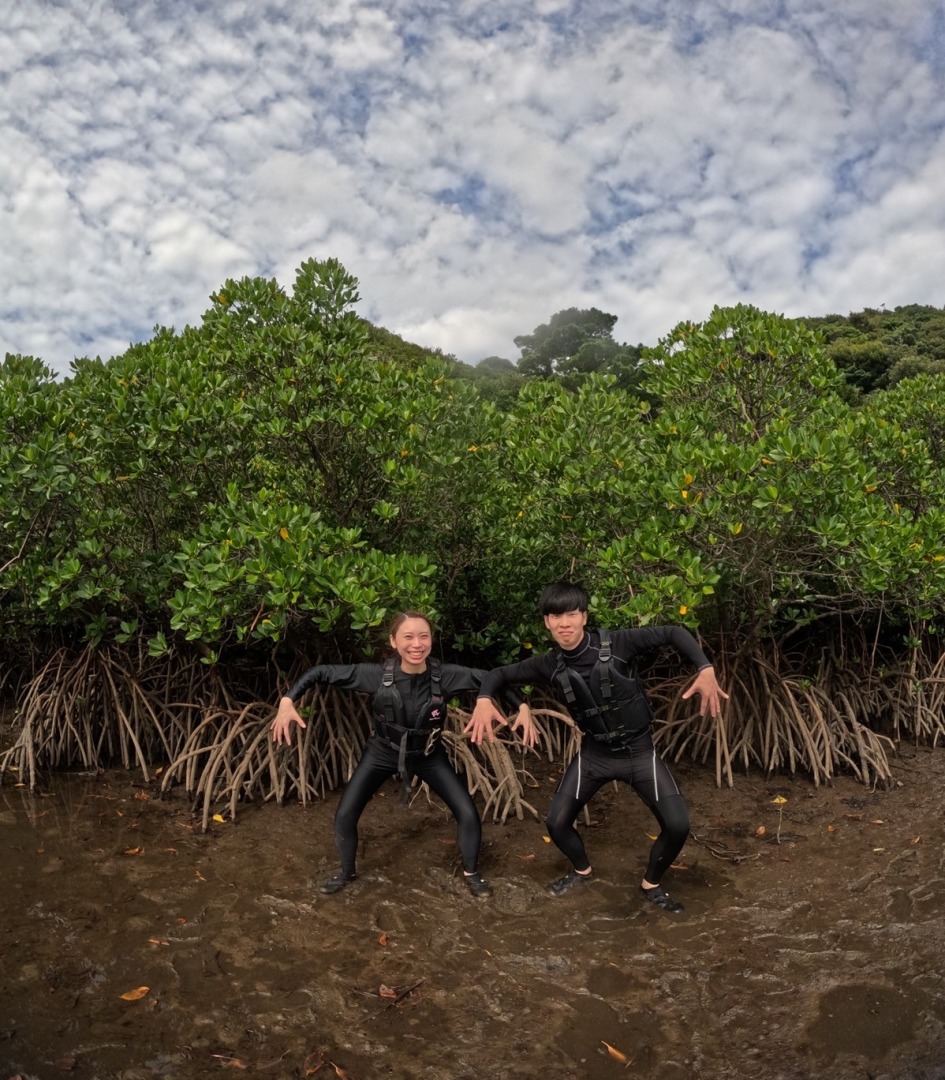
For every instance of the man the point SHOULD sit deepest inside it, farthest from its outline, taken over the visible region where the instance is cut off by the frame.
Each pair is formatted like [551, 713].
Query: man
[591, 673]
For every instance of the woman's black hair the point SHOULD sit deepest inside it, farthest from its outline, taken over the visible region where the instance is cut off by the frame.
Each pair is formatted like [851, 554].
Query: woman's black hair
[563, 596]
[402, 616]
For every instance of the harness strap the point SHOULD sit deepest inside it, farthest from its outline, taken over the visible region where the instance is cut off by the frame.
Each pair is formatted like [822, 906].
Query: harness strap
[603, 660]
[561, 677]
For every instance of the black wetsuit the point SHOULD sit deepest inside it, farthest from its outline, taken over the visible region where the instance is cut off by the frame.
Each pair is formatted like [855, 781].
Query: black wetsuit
[630, 757]
[425, 758]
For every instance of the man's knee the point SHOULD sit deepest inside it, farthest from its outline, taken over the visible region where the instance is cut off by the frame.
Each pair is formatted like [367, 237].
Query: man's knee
[560, 816]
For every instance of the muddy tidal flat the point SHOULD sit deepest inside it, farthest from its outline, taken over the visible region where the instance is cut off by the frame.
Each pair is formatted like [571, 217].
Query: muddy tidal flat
[812, 943]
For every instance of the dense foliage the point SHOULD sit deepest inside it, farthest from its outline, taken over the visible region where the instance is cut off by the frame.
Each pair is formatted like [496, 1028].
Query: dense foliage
[274, 483]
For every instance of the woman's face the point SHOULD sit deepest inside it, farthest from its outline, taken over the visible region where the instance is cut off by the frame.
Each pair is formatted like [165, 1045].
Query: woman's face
[413, 642]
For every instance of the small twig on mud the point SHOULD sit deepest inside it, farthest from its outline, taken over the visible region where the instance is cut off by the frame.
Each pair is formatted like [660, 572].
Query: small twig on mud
[720, 851]
[403, 993]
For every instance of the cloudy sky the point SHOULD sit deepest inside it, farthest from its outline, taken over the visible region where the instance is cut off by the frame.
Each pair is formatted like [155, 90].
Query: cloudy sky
[477, 164]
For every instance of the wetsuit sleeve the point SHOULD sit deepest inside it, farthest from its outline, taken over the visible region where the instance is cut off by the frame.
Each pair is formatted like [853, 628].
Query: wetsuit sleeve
[364, 677]
[471, 679]
[536, 669]
[632, 642]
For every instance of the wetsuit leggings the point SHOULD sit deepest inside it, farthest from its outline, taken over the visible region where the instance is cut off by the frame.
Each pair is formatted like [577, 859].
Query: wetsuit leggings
[640, 767]
[377, 764]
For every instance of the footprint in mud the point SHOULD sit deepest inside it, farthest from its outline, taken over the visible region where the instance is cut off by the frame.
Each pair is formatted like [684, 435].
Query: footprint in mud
[862, 1018]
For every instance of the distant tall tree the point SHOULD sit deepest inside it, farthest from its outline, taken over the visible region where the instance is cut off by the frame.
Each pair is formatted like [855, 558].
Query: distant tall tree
[575, 343]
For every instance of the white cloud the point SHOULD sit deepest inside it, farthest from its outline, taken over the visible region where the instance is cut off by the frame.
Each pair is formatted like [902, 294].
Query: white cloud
[478, 167]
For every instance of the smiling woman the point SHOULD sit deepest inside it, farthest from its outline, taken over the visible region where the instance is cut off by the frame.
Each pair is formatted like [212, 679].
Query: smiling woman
[411, 690]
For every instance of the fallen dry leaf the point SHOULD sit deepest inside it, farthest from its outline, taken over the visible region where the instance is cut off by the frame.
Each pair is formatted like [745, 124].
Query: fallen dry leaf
[142, 796]
[135, 995]
[616, 1054]
[877, 821]
[134, 851]
[779, 800]
[831, 828]
[158, 941]
[547, 839]
[526, 858]
[386, 991]
[230, 1062]
[383, 939]
[341, 1073]
[760, 831]
[313, 1063]
[199, 876]
[220, 818]
[916, 839]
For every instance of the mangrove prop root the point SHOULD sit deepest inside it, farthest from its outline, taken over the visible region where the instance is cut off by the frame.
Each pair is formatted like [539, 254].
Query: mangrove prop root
[99, 706]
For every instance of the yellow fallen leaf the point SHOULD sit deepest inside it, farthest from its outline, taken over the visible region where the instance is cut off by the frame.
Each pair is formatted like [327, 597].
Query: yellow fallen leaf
[547, 839]
[137, 994]
[220, 818]
[651, 836]
[779, 800]
[616, 1054]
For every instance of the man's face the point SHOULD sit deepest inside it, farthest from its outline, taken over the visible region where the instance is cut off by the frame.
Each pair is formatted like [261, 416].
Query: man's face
[567, 629]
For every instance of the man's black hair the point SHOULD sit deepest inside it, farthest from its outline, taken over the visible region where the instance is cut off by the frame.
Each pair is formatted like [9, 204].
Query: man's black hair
[563, 596]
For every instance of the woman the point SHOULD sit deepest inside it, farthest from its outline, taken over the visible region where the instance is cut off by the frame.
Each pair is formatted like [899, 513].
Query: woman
[411, 691]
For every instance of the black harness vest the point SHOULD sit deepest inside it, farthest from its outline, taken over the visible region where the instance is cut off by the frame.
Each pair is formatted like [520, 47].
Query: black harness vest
[410, 736]
[611, 706]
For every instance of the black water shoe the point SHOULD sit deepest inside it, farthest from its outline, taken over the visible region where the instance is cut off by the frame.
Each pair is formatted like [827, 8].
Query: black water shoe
[568, 882]
[661, 899]
[336, 883]
[476, 885]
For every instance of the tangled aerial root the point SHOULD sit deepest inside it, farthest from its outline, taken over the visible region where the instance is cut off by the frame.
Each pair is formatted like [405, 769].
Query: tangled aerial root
[108, 705]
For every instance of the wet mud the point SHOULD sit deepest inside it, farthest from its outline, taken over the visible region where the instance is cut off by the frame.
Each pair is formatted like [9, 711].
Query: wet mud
[811, 944]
